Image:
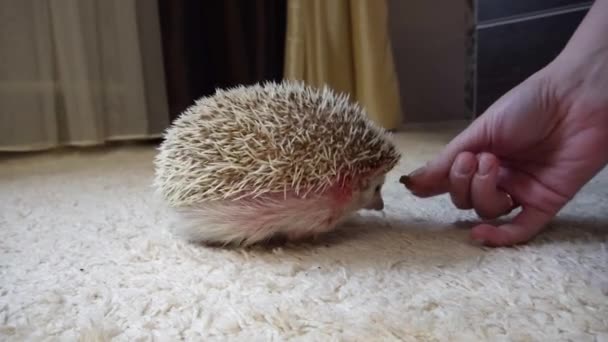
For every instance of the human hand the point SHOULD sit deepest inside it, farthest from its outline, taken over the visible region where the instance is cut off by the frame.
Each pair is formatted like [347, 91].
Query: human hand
[534, 149]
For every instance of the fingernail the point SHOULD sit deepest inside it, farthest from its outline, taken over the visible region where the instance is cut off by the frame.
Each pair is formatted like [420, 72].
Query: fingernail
[464, 167]
[417, 172]
[485, 166]
[405, 180]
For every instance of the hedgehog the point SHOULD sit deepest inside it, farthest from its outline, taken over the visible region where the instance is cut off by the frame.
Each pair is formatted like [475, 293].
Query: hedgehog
[251, 163]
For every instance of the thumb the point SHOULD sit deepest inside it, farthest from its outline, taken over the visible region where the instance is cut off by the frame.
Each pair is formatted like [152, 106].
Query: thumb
[433, 178]
[525, 226]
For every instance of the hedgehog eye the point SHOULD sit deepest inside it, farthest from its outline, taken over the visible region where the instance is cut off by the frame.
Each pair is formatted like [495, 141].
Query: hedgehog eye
[378, 188]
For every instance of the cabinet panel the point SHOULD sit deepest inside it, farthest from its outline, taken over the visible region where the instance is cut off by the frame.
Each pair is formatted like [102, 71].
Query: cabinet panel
[506, 54]
[494, 9]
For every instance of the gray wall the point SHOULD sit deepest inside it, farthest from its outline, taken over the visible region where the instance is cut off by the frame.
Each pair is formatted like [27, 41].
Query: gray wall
[428, 38]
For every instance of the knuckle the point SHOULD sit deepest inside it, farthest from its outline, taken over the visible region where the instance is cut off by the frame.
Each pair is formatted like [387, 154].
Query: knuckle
[460, 202]
[487, 213]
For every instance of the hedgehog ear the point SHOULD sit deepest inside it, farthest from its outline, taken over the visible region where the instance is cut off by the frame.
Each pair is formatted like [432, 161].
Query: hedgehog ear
[364, 183]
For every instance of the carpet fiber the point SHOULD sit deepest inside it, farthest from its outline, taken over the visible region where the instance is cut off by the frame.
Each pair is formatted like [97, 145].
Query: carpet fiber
[84, 255]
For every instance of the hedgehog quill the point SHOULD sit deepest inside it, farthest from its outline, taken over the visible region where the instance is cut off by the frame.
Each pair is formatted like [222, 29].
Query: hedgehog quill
[250, 163]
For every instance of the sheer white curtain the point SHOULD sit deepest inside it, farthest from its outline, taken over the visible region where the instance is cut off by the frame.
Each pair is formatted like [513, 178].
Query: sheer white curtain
[79, 72]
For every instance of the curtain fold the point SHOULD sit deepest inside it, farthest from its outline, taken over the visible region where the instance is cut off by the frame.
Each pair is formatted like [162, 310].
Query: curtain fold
[345, 44]
[79, 72]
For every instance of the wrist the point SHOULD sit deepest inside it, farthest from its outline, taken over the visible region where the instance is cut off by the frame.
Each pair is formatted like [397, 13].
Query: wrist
[585, 56]
[590, 37]
[585, 68]
[577, 90]
[580, 77]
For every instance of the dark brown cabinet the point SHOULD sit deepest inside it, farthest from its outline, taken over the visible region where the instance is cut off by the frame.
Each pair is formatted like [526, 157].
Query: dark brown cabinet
[512, 39]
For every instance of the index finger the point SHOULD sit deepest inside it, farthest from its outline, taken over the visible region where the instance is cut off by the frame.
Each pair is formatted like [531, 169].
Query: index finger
[525, 226]
[433, 178]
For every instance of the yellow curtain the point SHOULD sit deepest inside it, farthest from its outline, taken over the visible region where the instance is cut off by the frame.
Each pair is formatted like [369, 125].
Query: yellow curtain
[345, 44]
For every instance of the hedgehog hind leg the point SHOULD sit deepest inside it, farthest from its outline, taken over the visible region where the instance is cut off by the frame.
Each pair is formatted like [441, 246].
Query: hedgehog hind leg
[226, 224]
[208, 225]
[245, 224]
[308, 227]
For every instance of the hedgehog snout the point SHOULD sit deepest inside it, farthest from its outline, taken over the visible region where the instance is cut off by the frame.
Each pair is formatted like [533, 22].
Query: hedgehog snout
[372, 195]
[377, 203]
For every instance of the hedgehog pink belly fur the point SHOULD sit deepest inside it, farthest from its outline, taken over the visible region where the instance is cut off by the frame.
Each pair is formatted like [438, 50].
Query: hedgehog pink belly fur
[249, 221]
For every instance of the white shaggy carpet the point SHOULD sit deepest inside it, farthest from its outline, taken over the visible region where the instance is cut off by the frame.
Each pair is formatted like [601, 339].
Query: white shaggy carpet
[84, 255]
